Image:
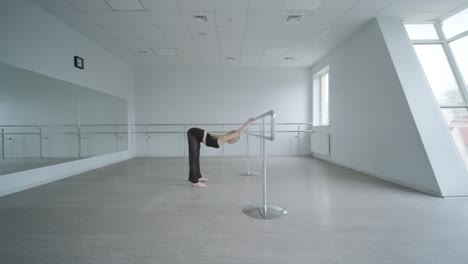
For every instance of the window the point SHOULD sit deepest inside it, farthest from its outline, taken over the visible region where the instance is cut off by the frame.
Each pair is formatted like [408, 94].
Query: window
[442, 49]
[321, 113]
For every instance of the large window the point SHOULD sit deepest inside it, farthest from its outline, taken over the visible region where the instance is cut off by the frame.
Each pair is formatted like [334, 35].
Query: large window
[442, 49]
[321, 113]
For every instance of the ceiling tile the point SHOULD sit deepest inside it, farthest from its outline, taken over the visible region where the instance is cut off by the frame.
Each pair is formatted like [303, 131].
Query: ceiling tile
[339, 32]
[168, 19]
[203, 32]
[176, 32]
[128, 5]
[355, 18]
[274, 52]
[181, 43]
[371, 5]
[186, 52]
[157, 43]
[92, 32]
[301, 4]
[230, 43]
[323, 18]
[142, 52]
[230, 32]
[209, 59]
[196, 5]
[76, 19]
[121, 43]
[148, 32]
[119, 32]
[137, 18]
[54, 6]
[264, 5]
[171, 59]
[203, 52]
[297, 32]
[106, 19]
[230, 52]
[250, 60]
[337, 4]
[230, 19]
[122, 52]
[206, 43]
[252, 52]
[255, 43]
[265, 18]
[253, 32]
[164, 52]
[230, 5]
[90, 5]
[160, 5]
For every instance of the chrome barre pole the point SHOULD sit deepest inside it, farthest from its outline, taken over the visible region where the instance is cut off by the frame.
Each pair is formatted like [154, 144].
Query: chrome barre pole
[265, 211]
[3, 143]
[248, 172]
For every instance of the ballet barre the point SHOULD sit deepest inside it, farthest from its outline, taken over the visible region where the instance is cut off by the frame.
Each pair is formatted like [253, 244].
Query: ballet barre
[265, 211]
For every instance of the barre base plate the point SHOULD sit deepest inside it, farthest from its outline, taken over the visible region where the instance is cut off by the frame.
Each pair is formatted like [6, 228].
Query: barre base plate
[258, 211]
[249, 173]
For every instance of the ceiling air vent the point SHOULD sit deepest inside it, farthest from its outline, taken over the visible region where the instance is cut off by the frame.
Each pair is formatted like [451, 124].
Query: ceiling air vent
[293, 19]
[200, 19]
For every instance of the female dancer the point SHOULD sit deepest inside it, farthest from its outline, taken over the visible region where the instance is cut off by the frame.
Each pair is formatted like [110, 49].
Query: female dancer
[196, 136]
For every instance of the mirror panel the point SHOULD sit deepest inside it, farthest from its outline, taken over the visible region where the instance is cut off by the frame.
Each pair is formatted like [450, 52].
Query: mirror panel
[44, 121]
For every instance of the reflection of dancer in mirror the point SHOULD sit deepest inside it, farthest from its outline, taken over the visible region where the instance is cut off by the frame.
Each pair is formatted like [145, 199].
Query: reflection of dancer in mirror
[196, 136]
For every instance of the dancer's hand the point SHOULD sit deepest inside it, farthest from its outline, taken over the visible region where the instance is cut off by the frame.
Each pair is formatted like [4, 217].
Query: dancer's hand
[250, 120]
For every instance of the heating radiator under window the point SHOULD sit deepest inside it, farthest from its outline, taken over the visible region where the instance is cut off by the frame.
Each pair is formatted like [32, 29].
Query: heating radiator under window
[320, 143]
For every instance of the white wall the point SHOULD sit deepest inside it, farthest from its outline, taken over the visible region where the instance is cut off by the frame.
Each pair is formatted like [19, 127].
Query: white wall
[372, 128]
[220, 95]
[447, 163]
[34, 40]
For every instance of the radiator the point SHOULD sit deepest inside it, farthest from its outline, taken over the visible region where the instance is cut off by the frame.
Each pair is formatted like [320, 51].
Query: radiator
[320, 143]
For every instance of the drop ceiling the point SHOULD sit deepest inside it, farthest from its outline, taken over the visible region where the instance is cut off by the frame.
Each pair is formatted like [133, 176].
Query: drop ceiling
[250, 33]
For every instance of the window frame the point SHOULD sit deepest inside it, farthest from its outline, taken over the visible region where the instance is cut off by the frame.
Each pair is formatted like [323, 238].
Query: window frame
[462, 87]
[317, 88]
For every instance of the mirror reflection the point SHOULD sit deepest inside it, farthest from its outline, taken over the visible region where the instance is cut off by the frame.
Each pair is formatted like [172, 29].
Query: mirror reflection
[44, 121]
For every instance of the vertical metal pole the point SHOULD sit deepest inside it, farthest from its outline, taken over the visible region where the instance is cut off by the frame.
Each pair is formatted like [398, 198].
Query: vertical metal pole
[185, 143]
[146, 140]
[264, 173]
[222, 131]
[248, 152]
[40, 142]
[3, 143]
[79, 141]
[117, 138]
[298, 140]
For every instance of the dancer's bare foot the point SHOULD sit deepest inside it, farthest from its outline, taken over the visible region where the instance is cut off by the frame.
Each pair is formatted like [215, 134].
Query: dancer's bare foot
[203, 180]
[199, 184]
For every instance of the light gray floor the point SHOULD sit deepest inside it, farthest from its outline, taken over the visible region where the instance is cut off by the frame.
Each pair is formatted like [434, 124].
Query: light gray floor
[144, 211]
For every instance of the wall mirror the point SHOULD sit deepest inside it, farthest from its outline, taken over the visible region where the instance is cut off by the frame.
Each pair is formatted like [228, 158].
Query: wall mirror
[44, 121]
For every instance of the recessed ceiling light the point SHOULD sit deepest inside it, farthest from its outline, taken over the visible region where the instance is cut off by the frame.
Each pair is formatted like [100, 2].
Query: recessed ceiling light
[293, 19]
[200, 19]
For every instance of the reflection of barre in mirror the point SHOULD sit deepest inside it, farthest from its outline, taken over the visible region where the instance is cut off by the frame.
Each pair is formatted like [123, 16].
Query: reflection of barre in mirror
[265, 210]
[248, 172]
[195, 136]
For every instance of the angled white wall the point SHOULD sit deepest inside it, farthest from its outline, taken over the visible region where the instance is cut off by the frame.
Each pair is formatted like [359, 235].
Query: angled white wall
[34, 40]
[447, 164]
[372, 129]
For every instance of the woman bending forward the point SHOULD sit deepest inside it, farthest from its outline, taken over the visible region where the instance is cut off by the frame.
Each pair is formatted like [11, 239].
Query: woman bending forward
[196, 136]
